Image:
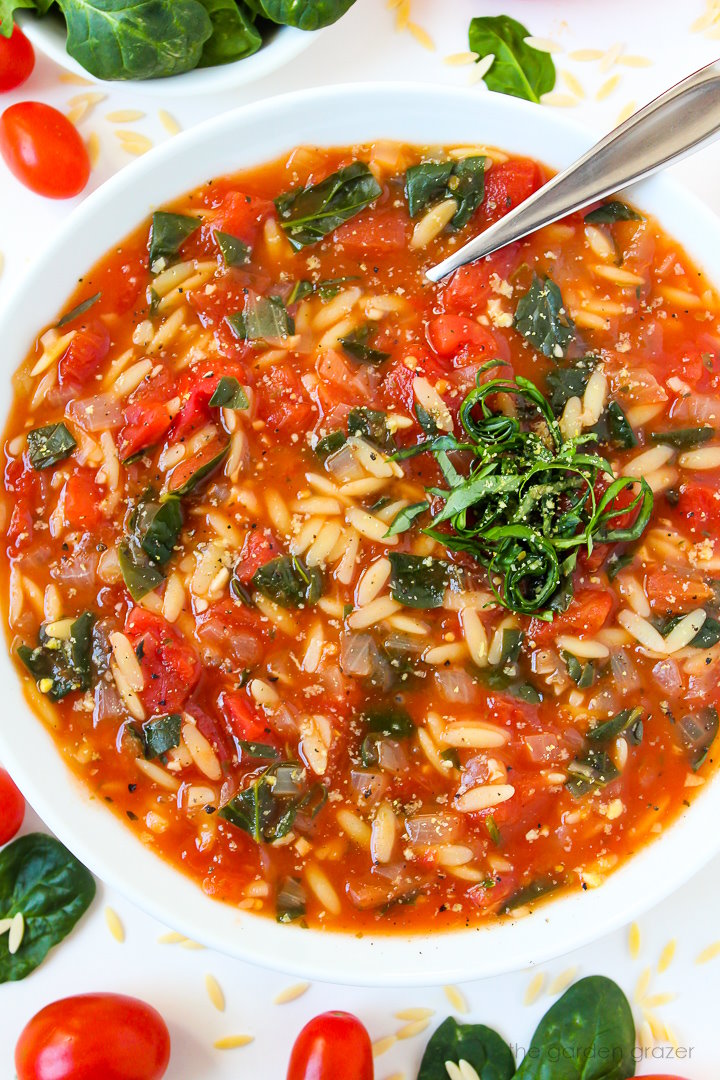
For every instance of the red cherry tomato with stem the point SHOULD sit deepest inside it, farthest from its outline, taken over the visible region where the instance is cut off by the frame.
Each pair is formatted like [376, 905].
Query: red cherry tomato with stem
[94, 1037]
[44, 150]
[17, 59]
[330, 1046]
[12, 807]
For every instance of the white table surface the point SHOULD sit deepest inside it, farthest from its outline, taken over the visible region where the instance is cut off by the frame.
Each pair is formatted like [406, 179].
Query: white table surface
[364, 47]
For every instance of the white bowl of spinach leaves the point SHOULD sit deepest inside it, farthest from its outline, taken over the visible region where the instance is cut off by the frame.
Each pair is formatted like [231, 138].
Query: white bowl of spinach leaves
[183, 46]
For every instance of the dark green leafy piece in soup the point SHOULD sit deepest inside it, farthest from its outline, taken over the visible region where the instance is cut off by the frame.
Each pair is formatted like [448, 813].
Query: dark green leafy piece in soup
[308, 214]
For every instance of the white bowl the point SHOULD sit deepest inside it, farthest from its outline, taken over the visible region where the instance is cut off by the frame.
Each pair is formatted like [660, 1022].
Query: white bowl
[281, 46]
[330, 116]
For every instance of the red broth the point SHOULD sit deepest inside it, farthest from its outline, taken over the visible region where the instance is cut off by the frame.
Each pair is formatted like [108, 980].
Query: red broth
[316, 720]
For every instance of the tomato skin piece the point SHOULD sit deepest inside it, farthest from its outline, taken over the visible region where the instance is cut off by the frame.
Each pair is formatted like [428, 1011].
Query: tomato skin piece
[330, 1046]
[259, 548]
[586, 614]
[44, 150]
[508, 184]
[383, 233]
[243, 719]
[242, 216]
[17, 59]
[170, 667]
[84, 354]
[449, 334]
[699, 505]
[94, 1037]
[146, 422]
[12, 807]
[82, 501]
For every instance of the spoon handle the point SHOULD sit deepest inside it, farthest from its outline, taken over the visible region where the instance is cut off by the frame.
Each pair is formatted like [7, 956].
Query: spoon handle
[676, 123]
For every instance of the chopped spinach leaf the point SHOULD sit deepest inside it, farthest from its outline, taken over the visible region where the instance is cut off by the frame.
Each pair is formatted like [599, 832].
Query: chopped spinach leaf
[139, 572]
[581, 674]
[612, 211]
[418, 581]
[613, 428]
[492, 830]
[309, 214]
[330, 443]
[234, 251]
[355, 344]
[518, 69]
[431, 182]
[287, 581]
[161, 734]
[511, 642]
[78, 310]
[528, 894]
[372, 425]
[391, 721]
[683, 438]
[541, 318]
[265, 318]
[404, 518]
[168, 233]
[61, 666]
[258, 750]
[229, 394]
[156, 525]
[186, 476]
[590, 773]
[564, 382]
[623, 723]
[48, 445]
[267, 809]
[616, 563]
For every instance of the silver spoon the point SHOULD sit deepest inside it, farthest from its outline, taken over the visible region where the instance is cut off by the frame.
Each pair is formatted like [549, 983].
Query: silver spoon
[678, 122]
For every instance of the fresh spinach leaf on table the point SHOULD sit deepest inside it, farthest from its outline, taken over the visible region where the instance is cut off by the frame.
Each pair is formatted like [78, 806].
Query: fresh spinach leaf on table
[480, 1046]
[41, 880]
[518, 69]
[588, 1034]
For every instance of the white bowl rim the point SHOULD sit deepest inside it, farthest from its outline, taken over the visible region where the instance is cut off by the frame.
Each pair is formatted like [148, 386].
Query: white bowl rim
[98, 837]
[286, 43]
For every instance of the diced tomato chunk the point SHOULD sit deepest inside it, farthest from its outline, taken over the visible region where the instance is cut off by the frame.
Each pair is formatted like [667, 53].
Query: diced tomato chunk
[674, 593]
[508, 184]
[469, 287]
[170, 667]
[449, 334]
[145, 424]
[242, 216]
[84, 355]
[244, 719]
[699, 505]
[587, 613]
[26, 486]
[195, 413]
[199, 465]
[82, 501]
[489, 896]
[259, 548]
[381, 233]
[283, 405]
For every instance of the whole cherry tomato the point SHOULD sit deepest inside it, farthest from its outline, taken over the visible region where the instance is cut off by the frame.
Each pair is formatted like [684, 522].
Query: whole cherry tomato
[331, 1046]
[17, 59]
[94, 1037]
[12, 807]
[44, 150]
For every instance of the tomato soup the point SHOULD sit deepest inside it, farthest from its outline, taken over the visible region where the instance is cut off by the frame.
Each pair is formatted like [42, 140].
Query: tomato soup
[370, 603]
